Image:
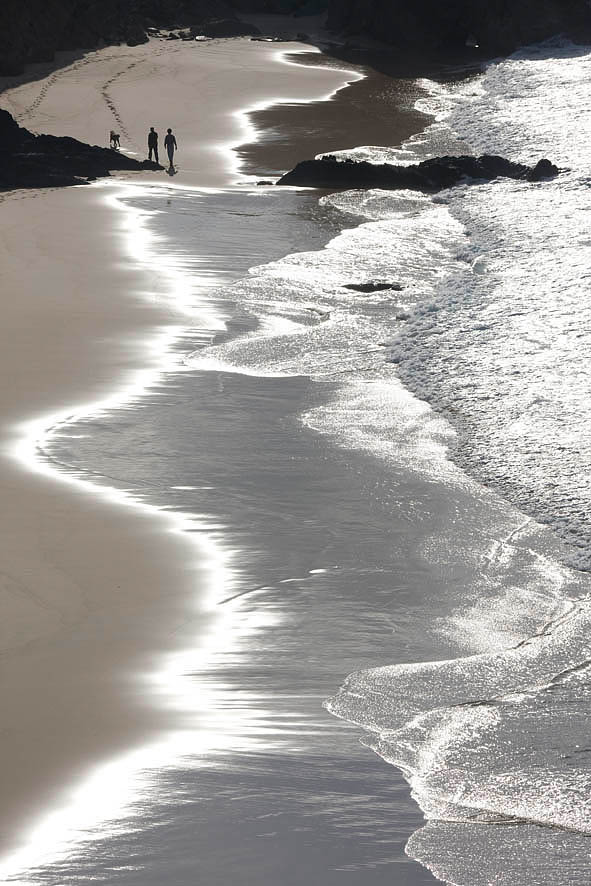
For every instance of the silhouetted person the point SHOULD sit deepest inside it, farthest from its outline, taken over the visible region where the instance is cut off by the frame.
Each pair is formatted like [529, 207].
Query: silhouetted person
[170, 145]
[153, 144]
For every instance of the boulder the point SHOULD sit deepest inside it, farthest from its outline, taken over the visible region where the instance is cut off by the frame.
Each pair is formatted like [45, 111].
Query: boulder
[429, 176]
[543, 169]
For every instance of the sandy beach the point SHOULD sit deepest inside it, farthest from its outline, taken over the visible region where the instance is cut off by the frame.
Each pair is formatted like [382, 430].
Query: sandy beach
[95, 591]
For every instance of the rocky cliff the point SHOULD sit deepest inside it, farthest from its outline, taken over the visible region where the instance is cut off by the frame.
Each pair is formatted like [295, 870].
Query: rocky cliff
[33, 30]
[497, 26]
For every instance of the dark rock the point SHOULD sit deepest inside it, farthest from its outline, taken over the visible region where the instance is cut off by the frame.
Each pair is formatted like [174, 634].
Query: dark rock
[429, 176]
[543, 169]
[265, 183]
[173, 36]
[11, 133]
[43, 161]
[372, 286]
[136, 33]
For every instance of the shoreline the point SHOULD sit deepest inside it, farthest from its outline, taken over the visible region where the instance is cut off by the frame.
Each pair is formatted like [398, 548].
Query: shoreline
[75, 564]
[113, 340]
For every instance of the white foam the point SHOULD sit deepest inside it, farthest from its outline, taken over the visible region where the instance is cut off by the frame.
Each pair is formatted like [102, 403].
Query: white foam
[498, 344]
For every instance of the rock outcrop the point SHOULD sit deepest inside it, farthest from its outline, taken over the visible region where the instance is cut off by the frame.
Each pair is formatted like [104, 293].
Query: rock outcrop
[43, 161]
[497, 26]
[429, 176]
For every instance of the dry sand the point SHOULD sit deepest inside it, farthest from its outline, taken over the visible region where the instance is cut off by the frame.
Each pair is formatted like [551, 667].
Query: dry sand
[92, 593]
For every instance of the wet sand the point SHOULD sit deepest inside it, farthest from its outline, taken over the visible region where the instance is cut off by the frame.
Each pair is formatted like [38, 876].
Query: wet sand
[94, 591]
[377, 110]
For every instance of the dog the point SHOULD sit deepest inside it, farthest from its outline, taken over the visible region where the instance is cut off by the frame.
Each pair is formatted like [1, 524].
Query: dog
[114, 142]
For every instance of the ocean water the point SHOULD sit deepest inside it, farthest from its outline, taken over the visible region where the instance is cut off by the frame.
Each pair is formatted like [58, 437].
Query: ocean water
[398, 482]
[497, 345]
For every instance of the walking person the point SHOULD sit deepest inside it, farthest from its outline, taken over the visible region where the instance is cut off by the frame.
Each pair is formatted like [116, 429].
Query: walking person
[170, 145]
[153, 144]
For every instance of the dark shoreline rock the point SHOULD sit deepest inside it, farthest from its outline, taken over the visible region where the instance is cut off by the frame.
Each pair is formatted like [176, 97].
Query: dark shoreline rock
[429, 176]
[46, 161]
